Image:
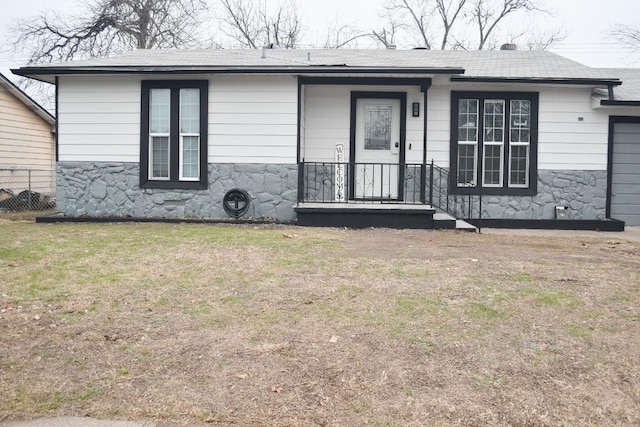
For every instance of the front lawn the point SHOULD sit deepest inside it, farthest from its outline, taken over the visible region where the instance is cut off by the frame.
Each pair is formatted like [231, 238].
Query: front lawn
[278, 325]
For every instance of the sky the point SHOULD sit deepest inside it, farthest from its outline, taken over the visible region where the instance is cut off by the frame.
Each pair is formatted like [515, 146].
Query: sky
[585, 22]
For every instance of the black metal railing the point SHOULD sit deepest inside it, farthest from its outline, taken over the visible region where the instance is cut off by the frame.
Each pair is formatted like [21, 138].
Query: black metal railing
[427, 184]
[331, 182]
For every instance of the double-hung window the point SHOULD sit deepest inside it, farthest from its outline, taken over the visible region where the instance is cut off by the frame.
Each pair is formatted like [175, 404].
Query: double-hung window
[173, 136]
[494, 142]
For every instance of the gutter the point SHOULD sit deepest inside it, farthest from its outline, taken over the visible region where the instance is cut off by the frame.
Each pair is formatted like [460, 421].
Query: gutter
[611, 102]
[59, 71]
[539, 80]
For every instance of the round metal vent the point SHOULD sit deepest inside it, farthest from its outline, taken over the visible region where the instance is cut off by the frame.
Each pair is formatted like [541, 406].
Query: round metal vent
[236, 203]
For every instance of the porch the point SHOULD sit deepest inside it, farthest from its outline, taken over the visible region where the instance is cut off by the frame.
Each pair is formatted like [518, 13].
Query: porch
[362, 156]
[360, 195]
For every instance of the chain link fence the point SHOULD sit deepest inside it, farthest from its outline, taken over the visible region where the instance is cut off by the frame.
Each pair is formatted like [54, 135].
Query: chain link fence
[27, 190]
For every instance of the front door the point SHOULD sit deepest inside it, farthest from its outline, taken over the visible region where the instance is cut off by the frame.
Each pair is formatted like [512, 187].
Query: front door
[378, 147]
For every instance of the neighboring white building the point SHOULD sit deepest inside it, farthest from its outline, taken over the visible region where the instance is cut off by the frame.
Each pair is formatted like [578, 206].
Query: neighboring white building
[523, 134]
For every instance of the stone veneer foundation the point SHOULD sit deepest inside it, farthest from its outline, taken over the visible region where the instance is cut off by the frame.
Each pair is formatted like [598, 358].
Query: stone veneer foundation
[109, 189]
[583, 193]
[112, 190]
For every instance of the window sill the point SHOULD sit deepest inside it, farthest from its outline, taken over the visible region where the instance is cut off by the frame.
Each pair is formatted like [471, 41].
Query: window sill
[493, 191]
[175, 185]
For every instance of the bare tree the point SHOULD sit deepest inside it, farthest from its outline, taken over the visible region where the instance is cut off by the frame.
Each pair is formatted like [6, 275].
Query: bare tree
[534, 40]
[416, 13]
[341, 36]
[629, 36]
[252, 26]
[105, 27]
[439, 24]
[387, 35]
[102, 28]
[448, 12]
[487, 14]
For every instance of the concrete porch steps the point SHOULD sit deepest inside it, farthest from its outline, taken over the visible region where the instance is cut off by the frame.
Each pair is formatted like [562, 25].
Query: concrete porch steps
[443, 221]
[390, 215]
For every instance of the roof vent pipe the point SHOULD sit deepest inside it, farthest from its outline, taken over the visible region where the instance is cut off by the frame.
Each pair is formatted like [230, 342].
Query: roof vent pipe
[508, 46]
[264, 52]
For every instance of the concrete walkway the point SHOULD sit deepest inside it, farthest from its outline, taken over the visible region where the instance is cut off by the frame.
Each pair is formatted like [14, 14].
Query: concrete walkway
[75, 422]
[630, 233]
[91, 422]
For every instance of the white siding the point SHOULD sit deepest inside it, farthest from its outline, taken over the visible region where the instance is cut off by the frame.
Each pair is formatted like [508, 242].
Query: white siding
[439, 116]
[327, 120]
[99, 119]
[253, 119]
[564, 141]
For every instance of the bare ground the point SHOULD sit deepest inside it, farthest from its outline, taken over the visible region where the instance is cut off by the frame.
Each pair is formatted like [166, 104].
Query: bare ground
[284, 326]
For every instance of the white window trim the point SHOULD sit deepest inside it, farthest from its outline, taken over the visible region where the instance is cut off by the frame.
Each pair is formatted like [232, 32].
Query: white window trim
[181, 162]
[484, 168]
[520, 144]
[474, 181]
[493, 143]
[151, 176]
[526, 179]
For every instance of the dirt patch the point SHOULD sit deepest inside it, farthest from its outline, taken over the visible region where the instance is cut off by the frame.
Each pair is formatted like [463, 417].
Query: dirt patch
[277, 325]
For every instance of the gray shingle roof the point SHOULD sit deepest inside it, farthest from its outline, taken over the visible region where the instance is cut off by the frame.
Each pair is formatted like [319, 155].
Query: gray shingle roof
[505, 64]
[630, 88]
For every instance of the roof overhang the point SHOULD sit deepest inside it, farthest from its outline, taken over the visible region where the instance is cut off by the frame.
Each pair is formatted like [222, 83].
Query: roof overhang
[608, 103]
[538, 80]
[48, 73]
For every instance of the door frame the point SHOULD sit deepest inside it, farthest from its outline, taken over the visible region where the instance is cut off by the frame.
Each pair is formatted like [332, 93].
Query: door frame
[355, 96]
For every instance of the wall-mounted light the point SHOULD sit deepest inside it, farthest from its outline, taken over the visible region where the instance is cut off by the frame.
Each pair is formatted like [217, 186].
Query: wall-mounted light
[415, 109]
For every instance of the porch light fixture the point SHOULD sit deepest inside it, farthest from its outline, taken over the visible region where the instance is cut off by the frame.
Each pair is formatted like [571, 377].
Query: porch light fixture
[415, 107]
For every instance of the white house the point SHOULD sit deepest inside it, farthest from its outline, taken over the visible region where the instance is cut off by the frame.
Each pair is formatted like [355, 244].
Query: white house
[346, 137]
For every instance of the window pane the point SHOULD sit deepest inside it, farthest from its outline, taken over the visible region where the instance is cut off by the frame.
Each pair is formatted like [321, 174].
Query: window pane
[159, 110]
[190, 157]
[520, 121]
[519, 165]
[377, 127]
[467, 120]
[160, 157]
[493, 165]
[493, 121]
[189, 111]
[466, 164]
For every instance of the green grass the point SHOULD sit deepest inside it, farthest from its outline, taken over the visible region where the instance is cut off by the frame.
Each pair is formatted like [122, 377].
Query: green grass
[481, 311]
[202, 318]
[579, 331]
[522, 277]
[551, 297]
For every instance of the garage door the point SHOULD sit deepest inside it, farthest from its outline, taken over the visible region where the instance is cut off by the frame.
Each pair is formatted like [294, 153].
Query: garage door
[625, 180]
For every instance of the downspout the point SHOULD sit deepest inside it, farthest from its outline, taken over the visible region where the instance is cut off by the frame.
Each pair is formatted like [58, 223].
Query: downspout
[57, 133]
[611, 95]
[299, 154]
[424, 88]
